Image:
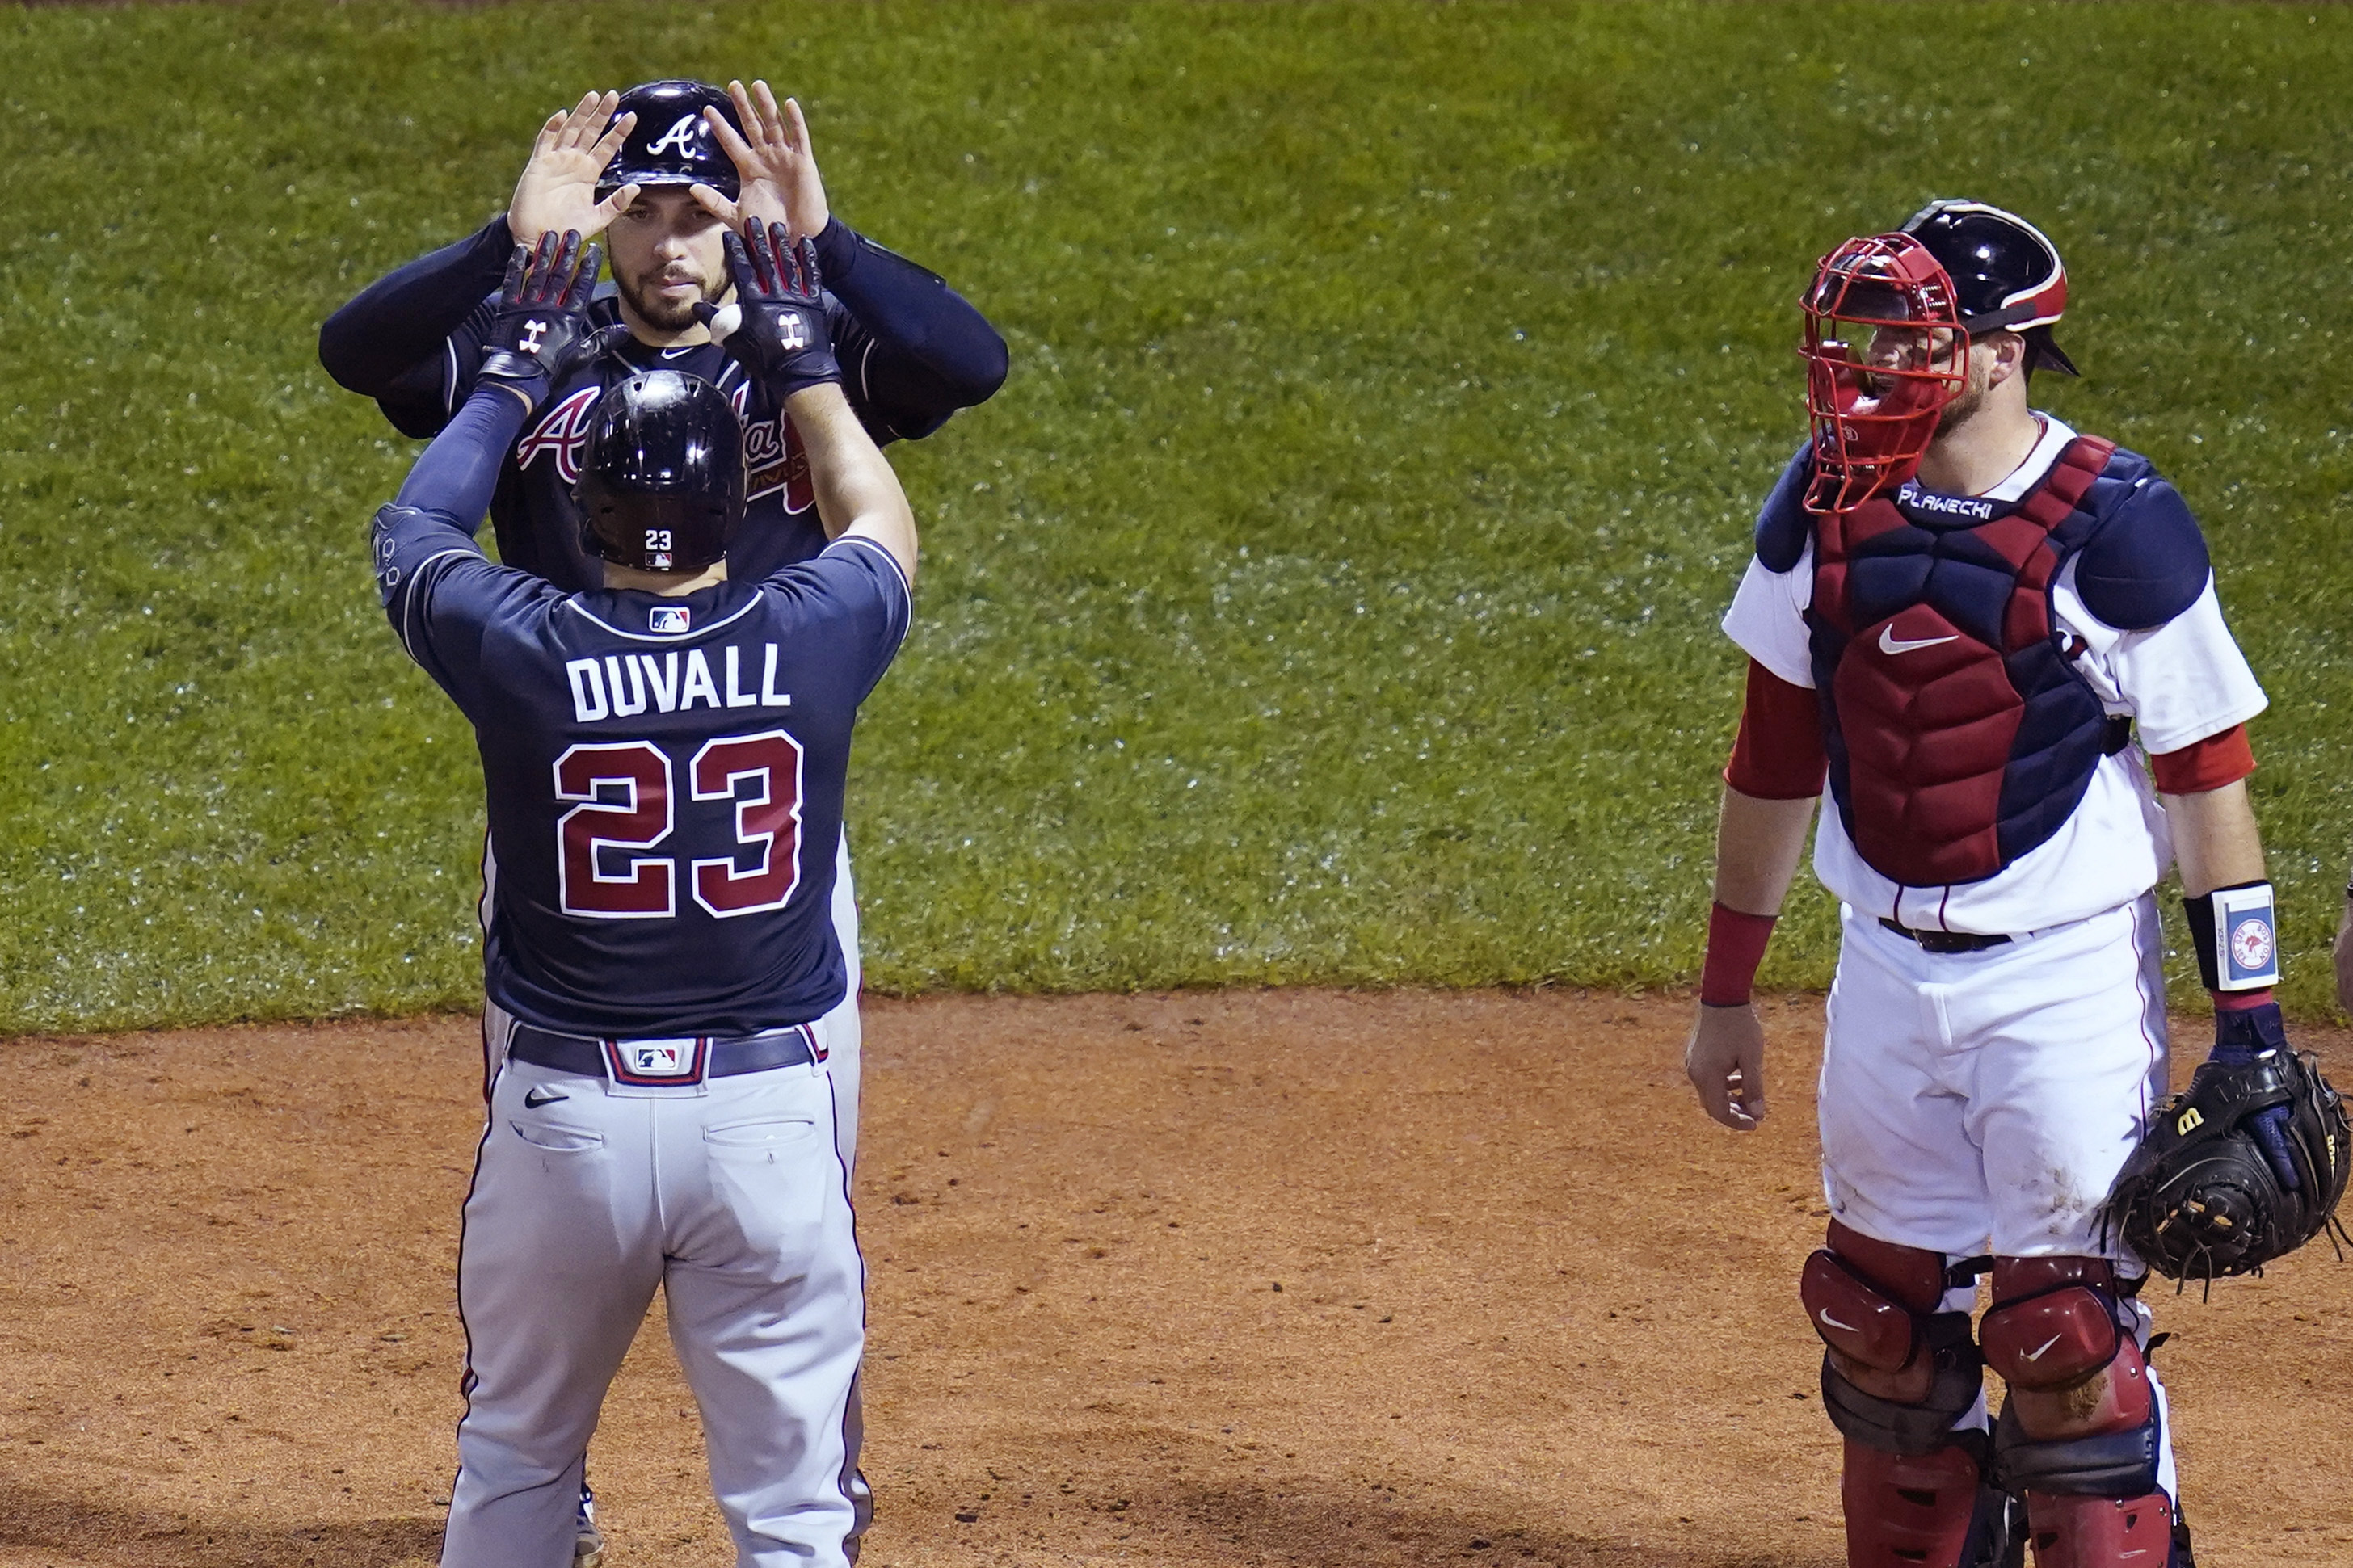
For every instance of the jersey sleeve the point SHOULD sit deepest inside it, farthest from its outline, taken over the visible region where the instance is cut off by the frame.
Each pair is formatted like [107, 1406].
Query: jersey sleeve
[912, 350]
[856, 585]
[442, 595]
[392, 340]
[2183, 682]
[440, 591]
[1767, 617]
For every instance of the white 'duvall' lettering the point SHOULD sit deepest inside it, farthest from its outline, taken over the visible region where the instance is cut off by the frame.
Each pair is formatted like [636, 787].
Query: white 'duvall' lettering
[622, 686]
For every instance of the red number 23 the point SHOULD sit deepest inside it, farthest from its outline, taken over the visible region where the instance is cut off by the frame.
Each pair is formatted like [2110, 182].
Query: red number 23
[625, 802]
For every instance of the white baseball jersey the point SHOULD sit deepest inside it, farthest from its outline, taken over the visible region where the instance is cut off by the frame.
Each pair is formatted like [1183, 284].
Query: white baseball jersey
[2180, 683]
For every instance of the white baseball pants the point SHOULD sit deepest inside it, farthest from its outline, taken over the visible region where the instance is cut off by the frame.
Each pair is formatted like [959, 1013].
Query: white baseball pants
[1985, 1102]
[734, 1200]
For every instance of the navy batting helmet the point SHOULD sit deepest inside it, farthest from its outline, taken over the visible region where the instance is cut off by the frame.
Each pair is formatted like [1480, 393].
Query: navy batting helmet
[2005, 274]
[661, 482]
[670, 145]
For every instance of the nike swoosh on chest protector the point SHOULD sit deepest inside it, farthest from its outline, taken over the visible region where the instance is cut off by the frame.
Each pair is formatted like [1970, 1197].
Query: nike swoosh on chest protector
[1890, 643]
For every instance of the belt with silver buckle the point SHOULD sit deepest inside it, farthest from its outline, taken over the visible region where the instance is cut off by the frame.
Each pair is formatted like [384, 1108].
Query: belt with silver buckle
[1945, 941]
[686, 1060]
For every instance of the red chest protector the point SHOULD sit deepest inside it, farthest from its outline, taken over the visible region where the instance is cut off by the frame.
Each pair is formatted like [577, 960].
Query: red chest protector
[1959, 735]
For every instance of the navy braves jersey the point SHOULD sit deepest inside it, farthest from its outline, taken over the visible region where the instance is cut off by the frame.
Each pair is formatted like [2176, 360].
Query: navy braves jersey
[664, 776]
[913, 351]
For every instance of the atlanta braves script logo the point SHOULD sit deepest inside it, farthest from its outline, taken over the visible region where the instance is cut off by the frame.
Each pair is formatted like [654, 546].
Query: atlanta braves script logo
[564, 432]
[772, 452]
[681, 136]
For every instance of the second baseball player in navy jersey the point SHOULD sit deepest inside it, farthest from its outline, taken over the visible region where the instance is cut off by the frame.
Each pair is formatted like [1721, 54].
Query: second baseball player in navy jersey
[664, 776]
[913, 351]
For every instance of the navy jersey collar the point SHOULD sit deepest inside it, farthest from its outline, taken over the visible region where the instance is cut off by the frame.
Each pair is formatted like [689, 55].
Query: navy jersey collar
[642, 617]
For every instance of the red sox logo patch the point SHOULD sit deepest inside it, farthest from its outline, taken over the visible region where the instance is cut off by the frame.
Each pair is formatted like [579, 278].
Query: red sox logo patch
[2251, 944]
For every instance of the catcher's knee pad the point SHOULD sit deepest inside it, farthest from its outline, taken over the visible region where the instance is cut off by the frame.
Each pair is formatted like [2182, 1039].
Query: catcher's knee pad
[2056, 1334]
[2080, 1435]
[1896, 1378]
[1874, 1303]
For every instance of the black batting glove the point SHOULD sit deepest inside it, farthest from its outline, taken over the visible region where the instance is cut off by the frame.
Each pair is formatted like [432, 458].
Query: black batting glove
[540, 330]
[780, 333]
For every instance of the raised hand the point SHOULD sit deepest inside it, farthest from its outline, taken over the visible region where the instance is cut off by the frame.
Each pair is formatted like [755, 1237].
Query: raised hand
[540, 327]
[558, 187]
[772, 162]
[776, 327]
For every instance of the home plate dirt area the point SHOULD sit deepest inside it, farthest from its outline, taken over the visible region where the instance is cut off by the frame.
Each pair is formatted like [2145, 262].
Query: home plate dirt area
[1270, 1276]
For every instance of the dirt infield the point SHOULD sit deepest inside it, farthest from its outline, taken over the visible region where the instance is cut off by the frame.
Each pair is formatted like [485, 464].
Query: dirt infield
[1284, 1278]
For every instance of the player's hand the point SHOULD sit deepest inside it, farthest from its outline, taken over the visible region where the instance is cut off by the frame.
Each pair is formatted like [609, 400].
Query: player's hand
[773, 166]
[2239, 1039]
[1725, 1062]
[776, 327]
[540, 324]
[558, 188]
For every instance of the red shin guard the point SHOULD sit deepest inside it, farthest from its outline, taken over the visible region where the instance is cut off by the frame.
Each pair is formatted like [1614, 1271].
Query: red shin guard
[1908, 1513]
[2100, 1532]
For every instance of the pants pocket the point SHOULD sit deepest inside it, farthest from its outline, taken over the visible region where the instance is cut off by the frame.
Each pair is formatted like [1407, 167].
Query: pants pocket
[557, 1139]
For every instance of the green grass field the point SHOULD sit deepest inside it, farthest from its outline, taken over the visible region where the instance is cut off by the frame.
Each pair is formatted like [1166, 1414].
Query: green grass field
[1330, 596]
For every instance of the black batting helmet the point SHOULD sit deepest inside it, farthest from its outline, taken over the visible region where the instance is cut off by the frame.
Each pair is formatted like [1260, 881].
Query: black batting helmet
[661, 482]
[2006, 273]
[670, 145]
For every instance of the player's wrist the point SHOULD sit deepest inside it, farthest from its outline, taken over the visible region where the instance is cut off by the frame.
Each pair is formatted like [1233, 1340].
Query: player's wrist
[2234, 936]
[1735, 950]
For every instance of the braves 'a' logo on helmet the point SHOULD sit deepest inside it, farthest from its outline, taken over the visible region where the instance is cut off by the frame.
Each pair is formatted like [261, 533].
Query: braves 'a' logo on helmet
[680, 136]
[563, 431]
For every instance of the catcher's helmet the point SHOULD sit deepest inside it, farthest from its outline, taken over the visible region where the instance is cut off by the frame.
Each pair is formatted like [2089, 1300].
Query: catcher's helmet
[2006, 273]
[1885, 351]
[661, 482]
[670, 145]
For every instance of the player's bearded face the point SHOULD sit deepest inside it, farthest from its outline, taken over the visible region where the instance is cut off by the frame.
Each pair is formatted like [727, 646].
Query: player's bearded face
[669, 255]
[1972, 395]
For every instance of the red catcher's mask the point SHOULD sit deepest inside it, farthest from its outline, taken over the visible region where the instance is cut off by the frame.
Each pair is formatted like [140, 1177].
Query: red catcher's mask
[1884, 352]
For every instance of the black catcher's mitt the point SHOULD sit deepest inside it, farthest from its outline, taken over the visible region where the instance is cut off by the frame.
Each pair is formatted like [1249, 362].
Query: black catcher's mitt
[2198, 1199]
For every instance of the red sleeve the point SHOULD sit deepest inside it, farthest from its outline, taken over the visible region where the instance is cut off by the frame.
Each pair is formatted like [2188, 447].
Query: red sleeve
[1779, 754]
[2205, 765]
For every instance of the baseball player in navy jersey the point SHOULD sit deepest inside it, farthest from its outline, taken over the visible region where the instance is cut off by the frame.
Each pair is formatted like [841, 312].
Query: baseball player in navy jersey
[663, 171]
[664, 758]
[1985, 631]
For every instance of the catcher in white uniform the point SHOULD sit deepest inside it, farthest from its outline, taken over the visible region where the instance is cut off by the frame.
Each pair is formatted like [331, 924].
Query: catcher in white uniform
[1986, 632]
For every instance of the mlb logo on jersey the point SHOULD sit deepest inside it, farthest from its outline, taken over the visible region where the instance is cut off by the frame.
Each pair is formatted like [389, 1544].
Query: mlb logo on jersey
[670, 618]
[657, 1061]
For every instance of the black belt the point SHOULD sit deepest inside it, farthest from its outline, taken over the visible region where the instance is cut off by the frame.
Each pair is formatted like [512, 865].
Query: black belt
[694, 1060]
[1945, 941]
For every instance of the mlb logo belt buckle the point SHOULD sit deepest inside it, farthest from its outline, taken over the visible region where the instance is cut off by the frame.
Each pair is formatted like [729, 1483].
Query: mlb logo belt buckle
[653, 1063]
